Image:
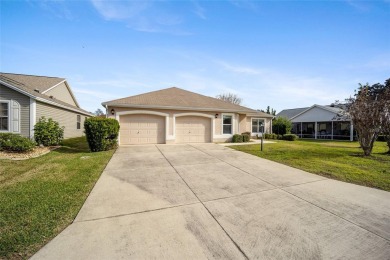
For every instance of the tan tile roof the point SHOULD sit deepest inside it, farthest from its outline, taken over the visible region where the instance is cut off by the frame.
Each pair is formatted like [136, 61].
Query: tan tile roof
[25, 85]
[176, 98]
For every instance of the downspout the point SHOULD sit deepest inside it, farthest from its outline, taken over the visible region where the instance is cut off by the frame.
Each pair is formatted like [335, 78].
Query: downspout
[351, 132]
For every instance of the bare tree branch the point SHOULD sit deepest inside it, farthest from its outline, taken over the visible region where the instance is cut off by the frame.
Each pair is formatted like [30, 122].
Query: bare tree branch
[230, 97]
[369, 111]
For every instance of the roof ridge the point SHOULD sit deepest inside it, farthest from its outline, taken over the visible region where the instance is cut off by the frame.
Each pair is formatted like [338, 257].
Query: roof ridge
[12, 80]
[295, 108]
[31, 75]
[180, 89]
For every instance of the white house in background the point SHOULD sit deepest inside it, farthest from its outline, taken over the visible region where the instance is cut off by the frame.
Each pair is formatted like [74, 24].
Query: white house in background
[319, 122]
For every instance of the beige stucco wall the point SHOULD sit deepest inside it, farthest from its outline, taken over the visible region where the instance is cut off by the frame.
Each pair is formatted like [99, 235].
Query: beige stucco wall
[241, 123]
[8, 94]
[61, 92]
[63, 117]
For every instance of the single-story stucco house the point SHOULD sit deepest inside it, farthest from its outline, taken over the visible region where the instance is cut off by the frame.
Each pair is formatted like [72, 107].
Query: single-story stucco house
[320, 122]
[26, 98]
[175, 115]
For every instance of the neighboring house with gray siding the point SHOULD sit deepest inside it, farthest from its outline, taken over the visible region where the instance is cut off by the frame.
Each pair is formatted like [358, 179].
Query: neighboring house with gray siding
[26, 98]
[320, 122]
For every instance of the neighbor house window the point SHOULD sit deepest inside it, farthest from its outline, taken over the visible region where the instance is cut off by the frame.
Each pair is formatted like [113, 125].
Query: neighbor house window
[78, 121]
[227, 122]
[257, 125]
[4, 116]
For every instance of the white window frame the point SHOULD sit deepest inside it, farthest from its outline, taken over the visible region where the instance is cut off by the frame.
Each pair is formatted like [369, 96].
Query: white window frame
[257, 118]
[9, 116]
[227, 114]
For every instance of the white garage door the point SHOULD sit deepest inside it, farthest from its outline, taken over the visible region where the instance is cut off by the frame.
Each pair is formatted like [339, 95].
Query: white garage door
[142, 129]
[193, 129]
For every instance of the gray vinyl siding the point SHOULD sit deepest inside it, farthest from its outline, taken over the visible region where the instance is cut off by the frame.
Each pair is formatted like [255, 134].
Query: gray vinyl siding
[63, 117]
[9, 94]
[62, 93]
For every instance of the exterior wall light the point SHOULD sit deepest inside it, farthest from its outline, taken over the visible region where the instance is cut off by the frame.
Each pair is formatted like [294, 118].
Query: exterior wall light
[216, 115]
[112, 111]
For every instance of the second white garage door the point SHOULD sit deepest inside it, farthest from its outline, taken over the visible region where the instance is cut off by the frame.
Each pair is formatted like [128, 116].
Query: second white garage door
[142, 129]
[193, 129]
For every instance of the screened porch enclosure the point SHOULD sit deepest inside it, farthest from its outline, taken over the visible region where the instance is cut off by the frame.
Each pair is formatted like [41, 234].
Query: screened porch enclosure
[334, 130]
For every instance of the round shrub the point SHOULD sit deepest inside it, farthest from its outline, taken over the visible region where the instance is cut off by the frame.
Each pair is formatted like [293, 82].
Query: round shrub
[237, 138]
[48, 132]
[15, 143]
[290, 137]
[101, 133]
[245, 137]
[281, 126]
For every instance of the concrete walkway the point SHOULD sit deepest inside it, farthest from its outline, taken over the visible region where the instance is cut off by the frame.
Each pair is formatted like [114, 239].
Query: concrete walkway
[207, 201]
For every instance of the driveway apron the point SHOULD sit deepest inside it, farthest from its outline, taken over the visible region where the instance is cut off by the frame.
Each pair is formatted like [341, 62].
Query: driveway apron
[206, 201]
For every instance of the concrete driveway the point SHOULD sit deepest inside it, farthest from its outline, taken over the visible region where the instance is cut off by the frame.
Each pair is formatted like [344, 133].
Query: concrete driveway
[208, 201]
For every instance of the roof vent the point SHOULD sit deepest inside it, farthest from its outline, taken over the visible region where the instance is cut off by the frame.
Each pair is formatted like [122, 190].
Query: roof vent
[36, 90]
[51, 97]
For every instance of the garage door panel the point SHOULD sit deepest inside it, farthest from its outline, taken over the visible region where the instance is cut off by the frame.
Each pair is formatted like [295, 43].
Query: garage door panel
[142, 129]
[193, 129]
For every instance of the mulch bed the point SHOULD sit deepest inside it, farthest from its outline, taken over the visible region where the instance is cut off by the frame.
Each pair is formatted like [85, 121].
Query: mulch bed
[36, 152]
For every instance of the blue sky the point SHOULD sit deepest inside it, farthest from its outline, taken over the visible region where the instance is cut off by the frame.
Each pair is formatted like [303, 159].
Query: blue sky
[284, 54]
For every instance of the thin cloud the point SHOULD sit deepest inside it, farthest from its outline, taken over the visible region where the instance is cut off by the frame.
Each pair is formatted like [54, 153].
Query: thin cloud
[119, 10]
[58, 8]
[240, 69]
[143, 16]
[199, 10]
[245, 4]
[358, 5]
[96, 94]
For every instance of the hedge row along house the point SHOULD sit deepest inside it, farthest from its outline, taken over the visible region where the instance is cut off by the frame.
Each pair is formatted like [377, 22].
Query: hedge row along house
[175, 115]
[320, 122]
[26, 98]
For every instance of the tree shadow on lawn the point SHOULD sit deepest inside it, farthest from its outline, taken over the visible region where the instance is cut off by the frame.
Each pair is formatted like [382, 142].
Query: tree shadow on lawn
[70, 150]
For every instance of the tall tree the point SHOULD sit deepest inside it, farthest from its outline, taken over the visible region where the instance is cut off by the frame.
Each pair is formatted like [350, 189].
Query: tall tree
[365, 110]
[99, 113]
[269, 110]
[385, 113]
[230, 97]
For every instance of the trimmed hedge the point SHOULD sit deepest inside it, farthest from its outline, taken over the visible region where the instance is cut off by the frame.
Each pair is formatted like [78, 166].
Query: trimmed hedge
[102, 133]
[272, 136]
[245, 137]
[290, 137]
[237, 138]
[48, 132]
[281, 126]
[15, 143]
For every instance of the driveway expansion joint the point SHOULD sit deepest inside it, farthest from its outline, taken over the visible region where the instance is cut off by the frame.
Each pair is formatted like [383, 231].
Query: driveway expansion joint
[242, 194]
[219, 224]
[237, 167]
[136, 213]
[282, 188]
[334, 214]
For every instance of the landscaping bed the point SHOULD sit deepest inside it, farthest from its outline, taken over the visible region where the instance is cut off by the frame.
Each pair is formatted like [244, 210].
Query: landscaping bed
[333, 159]
[36, 152]
[40, 197]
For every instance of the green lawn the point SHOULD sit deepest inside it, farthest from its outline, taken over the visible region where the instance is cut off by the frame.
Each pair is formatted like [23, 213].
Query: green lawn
[40, 197]
[333, 159]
